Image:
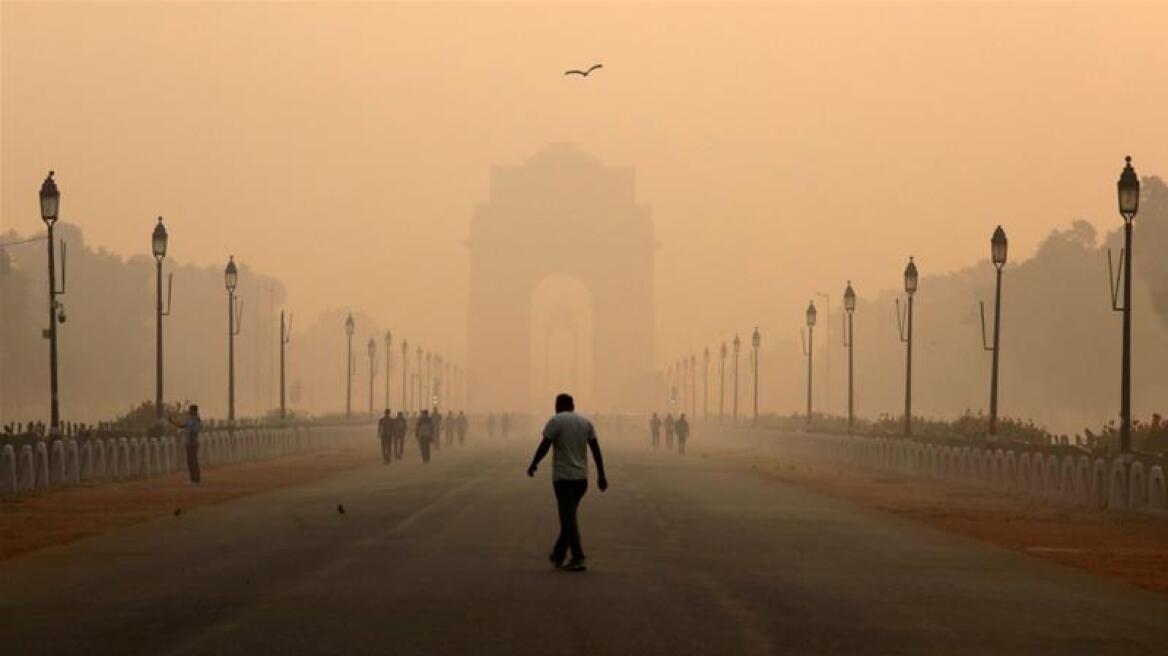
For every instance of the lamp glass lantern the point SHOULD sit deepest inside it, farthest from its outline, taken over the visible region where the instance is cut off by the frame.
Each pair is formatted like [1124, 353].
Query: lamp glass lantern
[737, 343]
[349, 325]
[910, 277]
[849, 298]
[1129, 191]
[231, 274]
[372, 347]
[388, 339]
[158, 240]
[998, 245]
[50, 200]
[811, 314]
[755, 339]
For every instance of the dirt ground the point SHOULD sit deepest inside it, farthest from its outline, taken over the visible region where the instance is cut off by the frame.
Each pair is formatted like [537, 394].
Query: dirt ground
[1127, 546]
[59, 516]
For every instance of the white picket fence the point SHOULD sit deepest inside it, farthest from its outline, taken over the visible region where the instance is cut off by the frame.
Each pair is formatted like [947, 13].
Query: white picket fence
[1078, 481]
[68, 462]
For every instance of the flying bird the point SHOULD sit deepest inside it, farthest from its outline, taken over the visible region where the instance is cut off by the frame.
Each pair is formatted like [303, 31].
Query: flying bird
[584, 73]
[341, 508]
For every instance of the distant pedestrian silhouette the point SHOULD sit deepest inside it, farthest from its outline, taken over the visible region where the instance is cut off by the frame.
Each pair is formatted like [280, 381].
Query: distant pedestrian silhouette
[386, 427]
[682, 430]
[424, 432]
[655, 429]
[190, 431]
[571, 436]
[462, 427]
[669, 431]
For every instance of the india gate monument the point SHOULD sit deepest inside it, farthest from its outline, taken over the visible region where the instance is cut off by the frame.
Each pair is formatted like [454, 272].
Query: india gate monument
[561, 286]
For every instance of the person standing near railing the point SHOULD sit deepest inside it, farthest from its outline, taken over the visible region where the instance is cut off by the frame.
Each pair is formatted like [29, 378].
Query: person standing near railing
[190, 431]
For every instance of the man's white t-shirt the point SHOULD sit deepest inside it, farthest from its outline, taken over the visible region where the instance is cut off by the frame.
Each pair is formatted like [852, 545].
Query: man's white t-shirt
[569, 434]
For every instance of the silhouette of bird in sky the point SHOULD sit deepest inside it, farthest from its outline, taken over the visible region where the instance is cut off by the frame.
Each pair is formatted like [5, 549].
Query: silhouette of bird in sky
[341, 508]
[584, 73]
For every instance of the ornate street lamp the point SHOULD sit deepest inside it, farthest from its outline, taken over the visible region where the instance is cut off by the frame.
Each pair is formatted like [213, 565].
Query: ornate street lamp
[849, 343]
[808, 351]
[285, 337]
[388, 365]
[405, 348]
[349, 328]
[1128, 190]
[234, 326]
[158, 243]
[50, 208]
[737, 348]
[706, 383]
[755, 341]
[722, 384]
[372, 370]
[905, 325]
[998, 248]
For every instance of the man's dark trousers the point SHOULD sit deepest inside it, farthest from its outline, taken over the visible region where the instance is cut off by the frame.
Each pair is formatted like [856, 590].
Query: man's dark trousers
[568, 495]
[193, 461]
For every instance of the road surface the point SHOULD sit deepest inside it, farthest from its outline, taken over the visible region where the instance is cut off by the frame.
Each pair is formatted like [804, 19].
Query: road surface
[687, 555]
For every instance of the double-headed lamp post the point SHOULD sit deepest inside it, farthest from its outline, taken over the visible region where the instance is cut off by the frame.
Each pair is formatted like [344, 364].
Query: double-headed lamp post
[811, 315]
[737, 348]
[158, 242]
[349, 328]
[50, 206]
[906, 336]
[755, 341]
[998, 246]
[372, 370]
[1128, 189]
[231, 281]
[849, 343]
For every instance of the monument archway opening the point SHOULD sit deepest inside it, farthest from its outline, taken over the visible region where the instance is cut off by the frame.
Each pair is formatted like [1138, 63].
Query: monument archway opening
[561, 353]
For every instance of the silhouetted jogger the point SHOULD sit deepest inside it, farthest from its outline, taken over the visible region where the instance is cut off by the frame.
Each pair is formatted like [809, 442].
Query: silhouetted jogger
[571, 436]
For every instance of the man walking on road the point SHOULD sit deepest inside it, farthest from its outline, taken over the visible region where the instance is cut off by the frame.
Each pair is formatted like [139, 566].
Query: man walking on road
[424, 431]
[386, 427]
[571, 436]
[669, 431]
[399, 435]
[190, 429]
[682, 430]
[655, 429]
[462, 426]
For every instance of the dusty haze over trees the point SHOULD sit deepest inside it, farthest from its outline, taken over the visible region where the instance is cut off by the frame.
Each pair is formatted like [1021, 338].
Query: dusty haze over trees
[339, 152]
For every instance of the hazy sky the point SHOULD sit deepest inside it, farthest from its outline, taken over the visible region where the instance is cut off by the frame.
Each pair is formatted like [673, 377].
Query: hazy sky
[782, 148]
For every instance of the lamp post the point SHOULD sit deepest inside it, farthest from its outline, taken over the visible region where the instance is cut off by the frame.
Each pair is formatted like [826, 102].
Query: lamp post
[285, 337]
[706, 383]
[693, 385]
[405, 373]
[737, 348]
[50, 206]
[755, 340]
[809, 351]
[388, 365]
[419, 380]
[426, 389]
[1128, 189]
[231, 280]
[849, 344]
[722, 384]
[998, 246]
[905, 326]
[826, 353]
[372, 370]
[158, 242]
[349, 327]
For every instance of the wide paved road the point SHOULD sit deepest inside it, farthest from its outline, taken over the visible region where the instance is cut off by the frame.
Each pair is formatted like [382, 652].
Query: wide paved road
[687, 556]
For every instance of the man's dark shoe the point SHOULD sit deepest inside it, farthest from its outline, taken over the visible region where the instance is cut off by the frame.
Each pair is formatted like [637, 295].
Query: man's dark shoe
[575, 565]
[557, 563]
